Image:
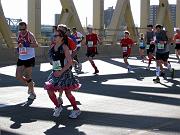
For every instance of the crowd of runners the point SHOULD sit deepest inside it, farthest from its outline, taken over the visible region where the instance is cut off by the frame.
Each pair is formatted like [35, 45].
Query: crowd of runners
[63, 55]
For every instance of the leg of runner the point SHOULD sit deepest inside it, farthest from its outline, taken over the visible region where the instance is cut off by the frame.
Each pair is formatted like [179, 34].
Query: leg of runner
[19, 74]
[93, 65]
[76, 111]
[177, 51]
[128, 66]
[158, 64]
[168, 65]
[26, 80]
[58, 108]
[30, 83]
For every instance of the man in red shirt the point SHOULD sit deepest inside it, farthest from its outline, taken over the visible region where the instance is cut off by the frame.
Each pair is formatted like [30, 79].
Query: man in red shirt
[176, 40]
[126, 43]
[91, 45]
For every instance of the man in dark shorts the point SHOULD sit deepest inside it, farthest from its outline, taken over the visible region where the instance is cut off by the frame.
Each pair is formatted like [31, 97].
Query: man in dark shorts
[26, 59]
[91, 44]
[162, 52]
[176, 40]
[126, 43]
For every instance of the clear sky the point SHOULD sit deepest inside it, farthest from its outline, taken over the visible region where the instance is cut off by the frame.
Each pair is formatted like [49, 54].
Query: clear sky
[18, 9]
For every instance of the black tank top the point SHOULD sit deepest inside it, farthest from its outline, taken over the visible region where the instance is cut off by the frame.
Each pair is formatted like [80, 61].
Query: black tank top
[58, 55]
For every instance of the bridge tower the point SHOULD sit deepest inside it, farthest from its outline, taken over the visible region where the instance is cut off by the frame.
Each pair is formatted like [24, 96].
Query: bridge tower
[69, 15]
[144, 15]
[122, 13]
[98, 16]
[4, 29]
[177, 13]
[34, 17]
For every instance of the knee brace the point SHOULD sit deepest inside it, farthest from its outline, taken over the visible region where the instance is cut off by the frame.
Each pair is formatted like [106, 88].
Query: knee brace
[30, 80]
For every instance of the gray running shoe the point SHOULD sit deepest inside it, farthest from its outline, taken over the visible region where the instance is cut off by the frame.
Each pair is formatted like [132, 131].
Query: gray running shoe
[32, 96]
[57, 111]
[157, 80]
[74, 114]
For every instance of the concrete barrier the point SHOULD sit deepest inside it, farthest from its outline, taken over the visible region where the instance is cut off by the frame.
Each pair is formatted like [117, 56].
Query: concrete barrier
[8, 56]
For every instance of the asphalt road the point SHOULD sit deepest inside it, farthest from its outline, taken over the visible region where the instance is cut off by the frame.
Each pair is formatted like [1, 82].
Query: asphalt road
[112, 103]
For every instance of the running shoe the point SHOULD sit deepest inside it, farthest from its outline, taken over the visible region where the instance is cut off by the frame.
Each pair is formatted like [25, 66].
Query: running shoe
[96, 71]
[129, 69]
[32, 96]
[57, 111]
[147, 68]
[157, 80]
[74, 114]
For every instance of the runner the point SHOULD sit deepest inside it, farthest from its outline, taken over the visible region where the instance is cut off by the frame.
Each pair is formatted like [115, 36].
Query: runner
[62, 79]
[71, 42]
[79, 37]
[142, 47]
[126, 43]
[176, 40]
[26, 60]
[150, 45]
[162, 52]
[91, 45]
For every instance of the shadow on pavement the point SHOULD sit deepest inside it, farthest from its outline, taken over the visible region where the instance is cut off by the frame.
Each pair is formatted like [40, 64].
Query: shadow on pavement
[20, 115]
[94, 85]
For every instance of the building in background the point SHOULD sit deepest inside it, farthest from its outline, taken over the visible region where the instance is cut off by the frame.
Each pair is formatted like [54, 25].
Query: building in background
[108, 13]
[57, 19]
[154, 10]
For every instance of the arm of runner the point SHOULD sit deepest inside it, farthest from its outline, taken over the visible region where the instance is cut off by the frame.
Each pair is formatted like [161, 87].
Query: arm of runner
[99, 39]
[83, 42]
[174, 39]
[34, 42]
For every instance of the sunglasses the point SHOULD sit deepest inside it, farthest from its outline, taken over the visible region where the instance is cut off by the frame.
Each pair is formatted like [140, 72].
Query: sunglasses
[22, 29]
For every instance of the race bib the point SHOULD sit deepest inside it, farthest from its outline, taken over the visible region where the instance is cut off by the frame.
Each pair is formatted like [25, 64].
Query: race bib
[22, 51]
[160, 46]
[56, 65]
[90, 44]
[141, 44]
[177, 41]
[124, 49]
[147, 46]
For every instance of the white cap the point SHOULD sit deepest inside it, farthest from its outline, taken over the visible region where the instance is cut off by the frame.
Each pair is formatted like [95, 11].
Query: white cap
[62, 25]
[90, 26]
[177, 29]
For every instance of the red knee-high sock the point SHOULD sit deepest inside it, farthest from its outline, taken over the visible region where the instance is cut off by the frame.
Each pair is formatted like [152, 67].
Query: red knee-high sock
[72, 100]
[53, 98]
[150, 59]
[93, 65]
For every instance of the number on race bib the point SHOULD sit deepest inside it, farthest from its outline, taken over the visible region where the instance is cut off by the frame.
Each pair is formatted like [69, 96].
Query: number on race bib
[177, 41]
[23, 51]
[124, 49]
[147, 46]
[160, 46]
[56, 65]
[141, 44]
[90, 44]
